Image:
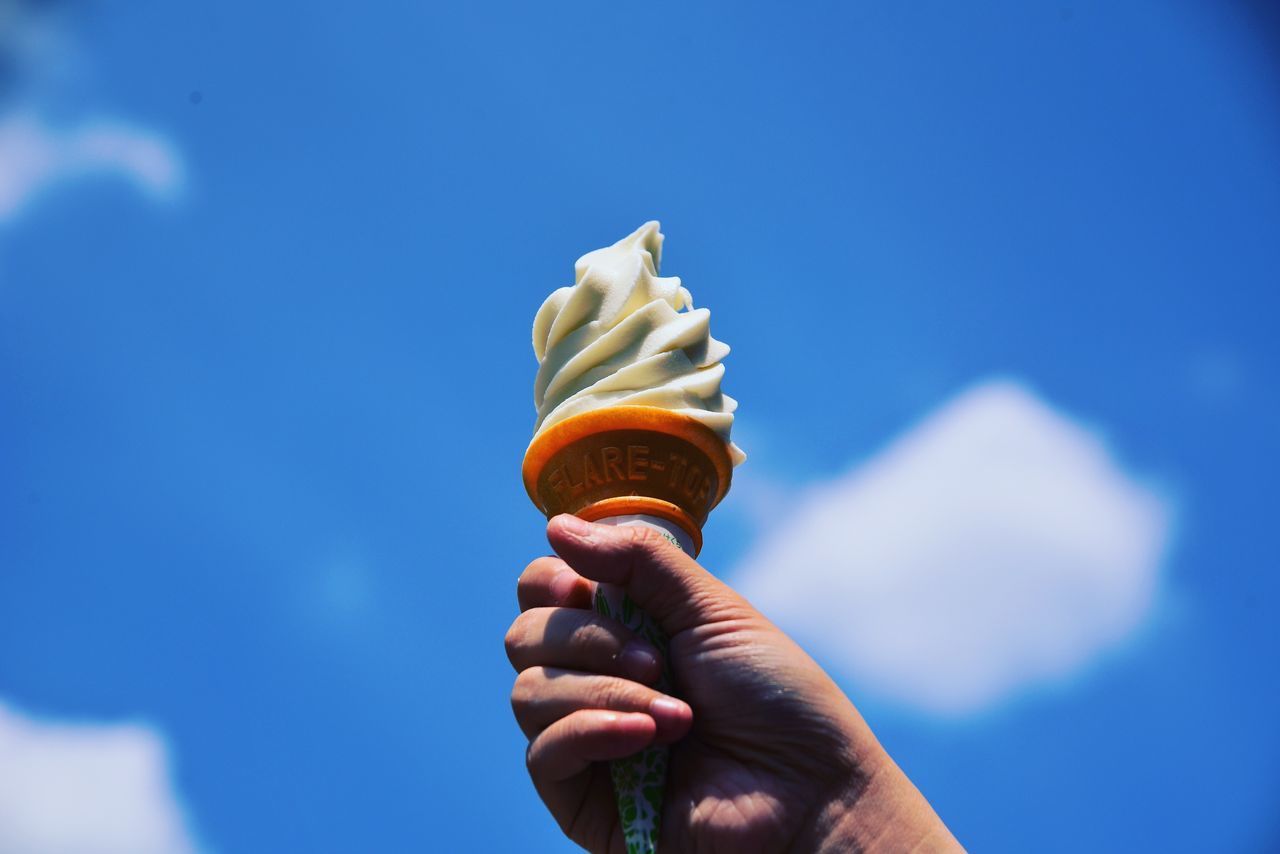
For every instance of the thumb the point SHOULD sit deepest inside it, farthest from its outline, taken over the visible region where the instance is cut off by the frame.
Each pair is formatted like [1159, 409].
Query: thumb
[666, 583]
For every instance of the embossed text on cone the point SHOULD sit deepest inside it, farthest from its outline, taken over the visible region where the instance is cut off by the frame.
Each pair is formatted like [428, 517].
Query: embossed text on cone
[629, 459]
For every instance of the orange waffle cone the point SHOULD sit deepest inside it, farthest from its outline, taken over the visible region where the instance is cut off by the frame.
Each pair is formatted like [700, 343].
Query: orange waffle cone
[625, 460]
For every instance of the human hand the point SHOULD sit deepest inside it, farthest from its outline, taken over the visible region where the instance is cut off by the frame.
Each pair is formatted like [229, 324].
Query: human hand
[768, 755]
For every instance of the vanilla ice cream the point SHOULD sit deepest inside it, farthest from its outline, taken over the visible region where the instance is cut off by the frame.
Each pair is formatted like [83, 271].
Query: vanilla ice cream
[622, 335]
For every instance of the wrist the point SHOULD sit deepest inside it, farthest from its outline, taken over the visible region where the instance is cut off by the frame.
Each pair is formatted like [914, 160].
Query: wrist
[878, 809]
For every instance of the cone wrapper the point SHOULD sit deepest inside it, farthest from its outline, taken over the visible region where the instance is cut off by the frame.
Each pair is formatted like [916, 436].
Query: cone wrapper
[633, 466]
[639, 781]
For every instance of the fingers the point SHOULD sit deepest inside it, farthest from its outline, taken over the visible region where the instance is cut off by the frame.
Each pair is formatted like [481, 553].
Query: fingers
[569, 746]
[544, 695]
[565, 765]
[549, 581]
[668, 584]
[580, 640]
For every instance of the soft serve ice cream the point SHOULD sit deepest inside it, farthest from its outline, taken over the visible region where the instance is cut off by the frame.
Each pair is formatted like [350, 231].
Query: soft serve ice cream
[622, 335]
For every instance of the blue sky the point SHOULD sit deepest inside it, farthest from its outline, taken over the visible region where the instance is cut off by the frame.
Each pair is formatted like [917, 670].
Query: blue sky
[265, 374]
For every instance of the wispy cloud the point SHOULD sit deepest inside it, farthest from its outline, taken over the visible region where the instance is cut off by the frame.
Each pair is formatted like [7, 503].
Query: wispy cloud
[86, 789]
[35, 157]
[40, 65]
[995, 546]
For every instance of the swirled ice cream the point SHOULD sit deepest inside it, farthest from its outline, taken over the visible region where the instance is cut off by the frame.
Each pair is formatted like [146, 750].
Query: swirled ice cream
[622, 335]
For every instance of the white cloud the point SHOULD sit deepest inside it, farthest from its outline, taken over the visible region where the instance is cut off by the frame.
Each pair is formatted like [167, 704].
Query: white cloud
[995, 546]
[86, 789]
[42, 73]
[35, 157]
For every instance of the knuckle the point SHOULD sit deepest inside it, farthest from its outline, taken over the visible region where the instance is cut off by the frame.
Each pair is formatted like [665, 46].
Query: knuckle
[577, 637]
[517, 636]
[597, 640]
[512, 642]
[525, 689]
[585, 634]
[612, 694]
[531, 571]
[538, 564]
[641, 539]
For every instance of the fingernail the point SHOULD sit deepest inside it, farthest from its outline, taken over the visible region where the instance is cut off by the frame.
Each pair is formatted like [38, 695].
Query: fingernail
[575, 526]
[562, 585]
[669, 707]
[638, 661]
[630, 724]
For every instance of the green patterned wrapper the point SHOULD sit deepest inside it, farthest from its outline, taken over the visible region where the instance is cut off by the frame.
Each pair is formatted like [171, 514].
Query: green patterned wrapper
[640, 781]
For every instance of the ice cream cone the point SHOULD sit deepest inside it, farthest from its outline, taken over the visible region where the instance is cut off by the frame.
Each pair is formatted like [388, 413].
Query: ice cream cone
[632, 465]
[625, 460]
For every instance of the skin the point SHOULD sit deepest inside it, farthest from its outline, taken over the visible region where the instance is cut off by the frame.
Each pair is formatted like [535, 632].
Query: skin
[768, 754]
